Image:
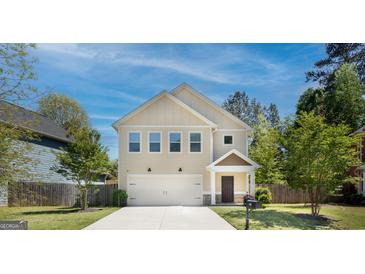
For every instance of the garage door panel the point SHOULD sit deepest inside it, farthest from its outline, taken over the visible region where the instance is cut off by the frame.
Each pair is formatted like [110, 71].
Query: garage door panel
[165, 189]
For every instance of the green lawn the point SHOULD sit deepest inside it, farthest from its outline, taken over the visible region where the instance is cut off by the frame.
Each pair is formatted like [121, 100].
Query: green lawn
[295, 216]
[53, 217]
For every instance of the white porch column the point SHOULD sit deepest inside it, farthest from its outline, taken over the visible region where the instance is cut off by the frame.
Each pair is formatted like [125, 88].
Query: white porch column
[212, 187]
[252, 183]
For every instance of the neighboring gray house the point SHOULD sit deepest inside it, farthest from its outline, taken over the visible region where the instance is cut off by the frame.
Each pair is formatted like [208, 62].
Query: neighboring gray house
[51, 138]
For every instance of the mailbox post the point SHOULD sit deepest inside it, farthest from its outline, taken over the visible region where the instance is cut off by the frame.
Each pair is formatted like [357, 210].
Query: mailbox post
[250, 205]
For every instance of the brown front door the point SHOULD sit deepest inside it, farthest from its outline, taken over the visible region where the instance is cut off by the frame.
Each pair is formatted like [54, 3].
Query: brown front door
[227, 189]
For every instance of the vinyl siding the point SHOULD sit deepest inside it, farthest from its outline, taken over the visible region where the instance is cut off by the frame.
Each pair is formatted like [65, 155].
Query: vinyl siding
[206, 109]
[239, 143]
[43, 154]
[164, 162]
[164, 112]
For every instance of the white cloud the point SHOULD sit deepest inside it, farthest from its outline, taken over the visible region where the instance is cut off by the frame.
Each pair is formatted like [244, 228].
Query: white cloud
[206, 63]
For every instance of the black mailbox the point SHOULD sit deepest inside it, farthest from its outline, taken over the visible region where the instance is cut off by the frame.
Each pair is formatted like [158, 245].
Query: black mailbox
[252, 204]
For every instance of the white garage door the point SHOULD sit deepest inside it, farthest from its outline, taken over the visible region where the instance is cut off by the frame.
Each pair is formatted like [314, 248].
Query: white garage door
[164, 189]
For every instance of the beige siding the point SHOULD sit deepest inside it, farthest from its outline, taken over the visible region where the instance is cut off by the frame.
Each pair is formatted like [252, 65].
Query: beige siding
[165, 162]
[239, 143]
[240, 181]
[206, 109]
[165, 112]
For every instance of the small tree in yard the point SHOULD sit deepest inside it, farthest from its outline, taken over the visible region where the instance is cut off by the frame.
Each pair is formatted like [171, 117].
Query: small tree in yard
[318, 156]
[83, 161]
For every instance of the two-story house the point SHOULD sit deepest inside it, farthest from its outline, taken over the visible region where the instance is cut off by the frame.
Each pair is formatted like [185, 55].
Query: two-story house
[180, 148]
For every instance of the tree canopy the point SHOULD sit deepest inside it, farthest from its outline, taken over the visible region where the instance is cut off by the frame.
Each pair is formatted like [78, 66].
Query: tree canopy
[65, 111]
[266, 151]
[83, 161]
[318, 155]
[248, 110]
[344, 103]
[337, 55]
[16, 84]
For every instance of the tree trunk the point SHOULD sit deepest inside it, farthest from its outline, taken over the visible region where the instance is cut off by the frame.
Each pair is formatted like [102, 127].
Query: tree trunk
[83, 198]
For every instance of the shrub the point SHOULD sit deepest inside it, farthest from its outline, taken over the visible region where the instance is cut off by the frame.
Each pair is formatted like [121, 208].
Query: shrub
[263, 195]
[120, 197]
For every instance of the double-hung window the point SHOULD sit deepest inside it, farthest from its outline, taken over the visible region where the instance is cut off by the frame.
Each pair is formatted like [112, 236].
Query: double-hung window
[174, 141]
[134, 142]
[154, 142]
[195, 139]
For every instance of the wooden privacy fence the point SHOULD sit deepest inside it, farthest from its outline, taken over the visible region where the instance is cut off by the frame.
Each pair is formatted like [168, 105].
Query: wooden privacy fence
[57, 194]
[283, 194]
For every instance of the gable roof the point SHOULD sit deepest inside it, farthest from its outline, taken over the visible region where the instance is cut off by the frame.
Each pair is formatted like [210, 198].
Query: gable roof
[154, 99]
[31, 120]
[237, 153]
[211, 103]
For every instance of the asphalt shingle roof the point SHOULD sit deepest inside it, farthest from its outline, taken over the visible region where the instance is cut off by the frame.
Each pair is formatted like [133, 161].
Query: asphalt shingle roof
[34, 121]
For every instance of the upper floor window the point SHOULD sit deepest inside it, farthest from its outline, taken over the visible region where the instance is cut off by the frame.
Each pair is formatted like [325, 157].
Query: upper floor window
[174, 141]
[228, 140]
[134, 142]
[154, 141]
[195, 139]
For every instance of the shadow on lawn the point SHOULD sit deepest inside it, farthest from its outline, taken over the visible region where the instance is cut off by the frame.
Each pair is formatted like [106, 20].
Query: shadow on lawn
[52, 211]
[271, 219]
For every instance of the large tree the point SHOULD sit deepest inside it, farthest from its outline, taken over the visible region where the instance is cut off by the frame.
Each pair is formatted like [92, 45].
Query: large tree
[248, 110]
[266, 151]
[343, 103]
[16, 84]
[83, 161]
[65, 111]
[337, 55]
[318, 156]
[312, 100]
[16, 72]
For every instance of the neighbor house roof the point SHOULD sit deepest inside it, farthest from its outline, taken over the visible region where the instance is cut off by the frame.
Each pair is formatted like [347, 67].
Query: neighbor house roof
[31, 120]
[211, 103]
[157, 97]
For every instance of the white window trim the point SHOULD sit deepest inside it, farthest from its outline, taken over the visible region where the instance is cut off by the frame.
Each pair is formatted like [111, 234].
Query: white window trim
[181, 142]
[149, 148]
[201, 142]
[228, 145]
[140, 142]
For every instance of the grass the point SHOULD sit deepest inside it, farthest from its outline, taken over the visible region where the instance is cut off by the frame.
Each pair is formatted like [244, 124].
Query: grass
[53, 217]
[295, 216]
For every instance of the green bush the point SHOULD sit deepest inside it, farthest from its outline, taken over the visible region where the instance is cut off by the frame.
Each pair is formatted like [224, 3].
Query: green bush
[263, 195]
[120, 197]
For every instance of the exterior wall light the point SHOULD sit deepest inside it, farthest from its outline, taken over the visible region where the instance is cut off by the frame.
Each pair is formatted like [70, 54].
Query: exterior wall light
[180, 169]
[149, 169]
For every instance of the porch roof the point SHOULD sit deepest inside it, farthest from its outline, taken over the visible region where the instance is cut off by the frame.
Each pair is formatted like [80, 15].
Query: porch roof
[233, 161]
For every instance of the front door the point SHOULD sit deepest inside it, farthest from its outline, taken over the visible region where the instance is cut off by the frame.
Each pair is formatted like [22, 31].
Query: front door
[227, 189]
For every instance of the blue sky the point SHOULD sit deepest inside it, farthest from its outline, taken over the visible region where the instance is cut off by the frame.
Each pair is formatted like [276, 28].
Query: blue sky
[109, 80]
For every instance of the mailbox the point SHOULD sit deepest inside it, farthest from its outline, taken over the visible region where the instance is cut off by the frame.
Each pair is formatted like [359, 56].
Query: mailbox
[252, 204]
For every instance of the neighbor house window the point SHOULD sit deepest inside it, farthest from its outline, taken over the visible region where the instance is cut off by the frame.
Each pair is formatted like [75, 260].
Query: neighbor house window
[154, 141]
[195, 139]
[228, 140]
[174, 141]
[134, 141]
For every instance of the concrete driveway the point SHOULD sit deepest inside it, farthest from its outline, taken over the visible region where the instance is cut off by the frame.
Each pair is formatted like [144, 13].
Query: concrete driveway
[162, 217]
